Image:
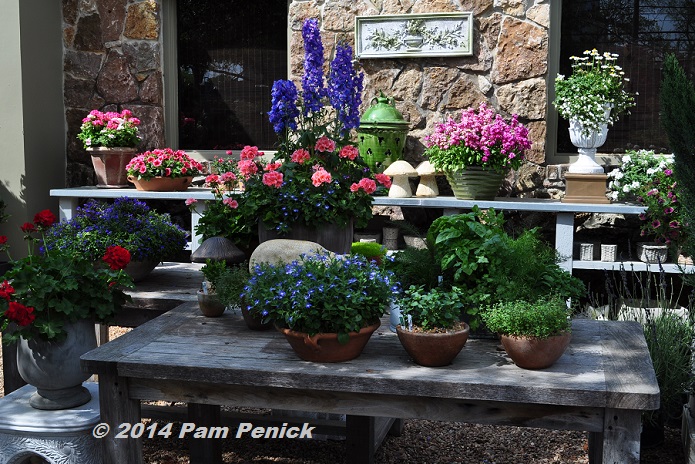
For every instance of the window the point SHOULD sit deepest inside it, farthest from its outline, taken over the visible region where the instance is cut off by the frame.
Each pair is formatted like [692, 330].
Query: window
[642, 32]
[228, 54]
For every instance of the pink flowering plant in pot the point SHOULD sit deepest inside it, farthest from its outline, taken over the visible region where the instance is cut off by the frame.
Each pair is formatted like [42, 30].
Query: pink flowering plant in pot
[317, 176]
[109, 129]
[480, 138]
[163, 162]
[648, 178]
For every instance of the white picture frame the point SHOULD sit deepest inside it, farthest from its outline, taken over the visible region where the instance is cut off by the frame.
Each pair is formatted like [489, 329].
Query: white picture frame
[414, 35]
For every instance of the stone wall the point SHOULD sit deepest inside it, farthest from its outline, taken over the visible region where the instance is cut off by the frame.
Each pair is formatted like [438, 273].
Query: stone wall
[508, 68]
[112, 60]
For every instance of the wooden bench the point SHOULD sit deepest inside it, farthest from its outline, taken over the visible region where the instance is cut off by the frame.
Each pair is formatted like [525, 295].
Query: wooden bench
[601, 385]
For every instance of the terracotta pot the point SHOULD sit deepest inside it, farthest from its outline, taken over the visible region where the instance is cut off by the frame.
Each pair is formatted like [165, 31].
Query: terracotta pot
[535, 353]
[324, 347]
[54, 367]
[109, 165]
[162, 184]
[433, 349]
[337, 239]
[253, 321]
[210, 305]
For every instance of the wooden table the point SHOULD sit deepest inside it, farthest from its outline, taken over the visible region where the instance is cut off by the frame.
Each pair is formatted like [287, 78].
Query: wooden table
[601, 384]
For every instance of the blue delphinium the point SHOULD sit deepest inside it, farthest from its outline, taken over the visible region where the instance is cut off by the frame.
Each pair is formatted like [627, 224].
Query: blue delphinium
[312, 82]
[345, 88]
[284, 112]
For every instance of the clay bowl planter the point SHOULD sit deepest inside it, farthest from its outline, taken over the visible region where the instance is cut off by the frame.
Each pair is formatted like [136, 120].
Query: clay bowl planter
[210, 305]
[325, 348]
[533, 352]
[433, 349]
[252, 320]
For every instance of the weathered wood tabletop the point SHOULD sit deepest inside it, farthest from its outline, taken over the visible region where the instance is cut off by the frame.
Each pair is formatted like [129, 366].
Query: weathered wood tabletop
[600, 385]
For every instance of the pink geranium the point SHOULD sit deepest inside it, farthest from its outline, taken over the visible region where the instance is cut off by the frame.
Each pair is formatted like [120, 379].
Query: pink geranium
[349, 152]
[273, 179]
[321, 176]
[300, 156]
[325, 145]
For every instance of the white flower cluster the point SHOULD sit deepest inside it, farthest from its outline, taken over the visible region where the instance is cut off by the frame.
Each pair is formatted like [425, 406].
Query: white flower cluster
[636, 170]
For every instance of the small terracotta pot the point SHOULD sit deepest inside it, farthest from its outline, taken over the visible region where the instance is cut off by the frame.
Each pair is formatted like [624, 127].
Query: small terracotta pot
[324, 347]
[535, 353]
[253, 321]
[433, 349]
[162, 184]
[210, 305]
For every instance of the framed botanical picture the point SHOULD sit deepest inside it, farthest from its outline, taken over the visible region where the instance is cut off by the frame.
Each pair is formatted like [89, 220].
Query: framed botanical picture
[433, 34]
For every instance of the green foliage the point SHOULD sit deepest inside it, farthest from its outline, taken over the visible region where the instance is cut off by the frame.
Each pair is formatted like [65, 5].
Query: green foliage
[212, 270]
[3, 216]
[231, 283]
[415, 266]
[432, 309]
[219, 220]
[320, 294]
[368, 249]
[669, 339]
[542, 318]
[534, 272]
[42, 292]
[677, 99]
[465, 247]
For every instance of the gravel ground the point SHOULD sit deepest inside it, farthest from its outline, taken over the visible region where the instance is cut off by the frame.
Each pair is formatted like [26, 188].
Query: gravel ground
[421, 442]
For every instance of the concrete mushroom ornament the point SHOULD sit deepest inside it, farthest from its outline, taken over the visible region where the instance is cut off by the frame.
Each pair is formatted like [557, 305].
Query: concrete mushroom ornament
[428, 182]
[400, 171]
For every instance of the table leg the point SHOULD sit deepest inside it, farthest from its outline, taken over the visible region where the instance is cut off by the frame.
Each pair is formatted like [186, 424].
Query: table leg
[199, 209]
[359, 439]
[67, 207]
[117, 408]
[620, 441]
[205, 450]
[564, 239]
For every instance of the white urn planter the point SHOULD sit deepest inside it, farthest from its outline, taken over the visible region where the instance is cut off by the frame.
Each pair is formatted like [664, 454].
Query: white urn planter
[586, 146]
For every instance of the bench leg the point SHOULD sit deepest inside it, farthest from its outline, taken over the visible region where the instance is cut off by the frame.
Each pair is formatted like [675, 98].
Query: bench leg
[117, 408]
[619, 442]
[359, 439]
[204, 450]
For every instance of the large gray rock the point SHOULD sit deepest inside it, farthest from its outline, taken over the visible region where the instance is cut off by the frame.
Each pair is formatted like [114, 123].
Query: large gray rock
[281, 250]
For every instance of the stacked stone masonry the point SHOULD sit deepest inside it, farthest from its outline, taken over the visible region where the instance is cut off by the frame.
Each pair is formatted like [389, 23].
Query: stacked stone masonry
[113, 56]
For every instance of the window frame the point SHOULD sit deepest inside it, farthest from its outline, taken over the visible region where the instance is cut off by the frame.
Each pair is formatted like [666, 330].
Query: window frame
[552, 156]
[170, 82]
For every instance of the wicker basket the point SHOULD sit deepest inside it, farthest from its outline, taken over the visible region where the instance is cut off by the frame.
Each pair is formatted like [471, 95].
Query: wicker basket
[586, 251]
[608, 252]
[652, 253]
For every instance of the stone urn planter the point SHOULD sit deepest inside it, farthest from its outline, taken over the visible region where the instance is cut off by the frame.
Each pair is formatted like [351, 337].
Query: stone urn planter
[53, 367]
[162, 184]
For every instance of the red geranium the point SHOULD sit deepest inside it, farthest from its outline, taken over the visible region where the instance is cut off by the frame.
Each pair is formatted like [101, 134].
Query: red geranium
[44, 218]
[116, 257]
[22, 315]
[28, 228]
[6, 290]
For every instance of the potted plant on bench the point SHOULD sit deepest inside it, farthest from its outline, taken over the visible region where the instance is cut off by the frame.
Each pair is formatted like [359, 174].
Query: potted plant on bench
[431, 330]
[533, 333]
[326, 306]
